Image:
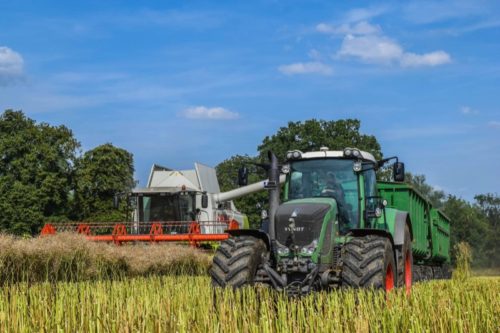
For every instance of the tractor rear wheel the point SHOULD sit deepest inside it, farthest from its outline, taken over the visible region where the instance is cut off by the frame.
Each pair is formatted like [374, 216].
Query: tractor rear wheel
[368, 262]
[236, 261]
[405, 262]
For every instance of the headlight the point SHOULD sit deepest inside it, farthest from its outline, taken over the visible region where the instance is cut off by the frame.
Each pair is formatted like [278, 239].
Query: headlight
[308, 250]
[356, 153]
[283, 251]
[289, 155]
[296, 154]
[347, 152]
[357, 166]
[285, 168]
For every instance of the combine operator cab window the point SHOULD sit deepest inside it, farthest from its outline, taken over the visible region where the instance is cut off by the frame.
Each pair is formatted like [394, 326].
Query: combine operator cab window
[333, 178]
[175, 207]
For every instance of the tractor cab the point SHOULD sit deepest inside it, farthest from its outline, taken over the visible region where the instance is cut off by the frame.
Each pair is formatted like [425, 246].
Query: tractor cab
[345, 177]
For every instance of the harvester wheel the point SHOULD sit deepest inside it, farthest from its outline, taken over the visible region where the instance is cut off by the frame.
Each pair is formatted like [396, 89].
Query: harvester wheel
[368, 262]
[236, 261]
[405, 262]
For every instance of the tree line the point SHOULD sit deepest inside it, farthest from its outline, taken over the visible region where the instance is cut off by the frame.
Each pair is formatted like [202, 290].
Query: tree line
[44, 176]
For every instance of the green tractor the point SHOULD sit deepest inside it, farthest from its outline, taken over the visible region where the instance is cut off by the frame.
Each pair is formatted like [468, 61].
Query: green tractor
[336, 227]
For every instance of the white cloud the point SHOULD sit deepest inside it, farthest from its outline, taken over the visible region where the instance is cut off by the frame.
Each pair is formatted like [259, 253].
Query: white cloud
[435, 58]
[314, 67]
[11, 65]
[203, 112]
[383, 50]
[494, 124]
[371, 49]
[467, 110]
[359, 28]
[367, 43]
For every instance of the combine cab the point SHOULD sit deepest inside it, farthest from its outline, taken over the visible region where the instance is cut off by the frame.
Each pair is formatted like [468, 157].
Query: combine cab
[176, 206]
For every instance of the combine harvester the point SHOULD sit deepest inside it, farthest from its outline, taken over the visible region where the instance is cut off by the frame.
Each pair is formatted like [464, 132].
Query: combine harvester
[176, 206]
[337, 227]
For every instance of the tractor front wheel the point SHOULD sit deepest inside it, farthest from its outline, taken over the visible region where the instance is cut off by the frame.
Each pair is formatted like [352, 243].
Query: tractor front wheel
[368, 262]
[236, 261]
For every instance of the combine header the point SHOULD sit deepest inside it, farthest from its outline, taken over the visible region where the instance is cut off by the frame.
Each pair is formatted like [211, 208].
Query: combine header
[176, 206]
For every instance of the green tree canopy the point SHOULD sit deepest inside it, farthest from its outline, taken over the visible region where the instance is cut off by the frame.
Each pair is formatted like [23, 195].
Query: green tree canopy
[35, 172]
[313, 134]
[490, 206]
[469, 224]
[100, 174]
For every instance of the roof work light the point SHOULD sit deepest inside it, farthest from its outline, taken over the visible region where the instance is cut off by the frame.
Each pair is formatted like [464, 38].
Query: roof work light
[352, 152]
[294, 154]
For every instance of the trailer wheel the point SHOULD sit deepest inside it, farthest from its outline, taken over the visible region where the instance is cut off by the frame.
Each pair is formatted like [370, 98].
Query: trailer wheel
[405, 262]
[236, 261]
[368, 262]
[446, 271]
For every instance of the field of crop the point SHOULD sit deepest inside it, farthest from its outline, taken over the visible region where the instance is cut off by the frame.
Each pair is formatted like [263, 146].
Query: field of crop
[189, 304]
[67, 284]
[70, 257]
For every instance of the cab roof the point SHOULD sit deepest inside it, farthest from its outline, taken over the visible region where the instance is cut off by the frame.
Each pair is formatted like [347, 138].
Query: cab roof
[335, 153]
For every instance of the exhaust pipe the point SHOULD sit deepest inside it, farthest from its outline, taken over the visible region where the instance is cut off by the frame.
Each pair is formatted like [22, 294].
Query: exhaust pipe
[274, 191]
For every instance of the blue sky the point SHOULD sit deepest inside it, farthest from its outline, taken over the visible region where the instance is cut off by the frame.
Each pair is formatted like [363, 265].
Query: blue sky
[176, 82]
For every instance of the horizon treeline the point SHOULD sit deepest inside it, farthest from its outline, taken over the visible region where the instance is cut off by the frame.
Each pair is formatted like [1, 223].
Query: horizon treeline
[45, 177]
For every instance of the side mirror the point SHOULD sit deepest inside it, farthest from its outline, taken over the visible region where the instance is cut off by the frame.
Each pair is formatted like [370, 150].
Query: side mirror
[243, 176]
[116, 201]
[398, 172]
[204, 200]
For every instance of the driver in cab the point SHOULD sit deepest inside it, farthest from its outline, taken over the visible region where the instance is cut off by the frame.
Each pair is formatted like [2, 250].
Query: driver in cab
[335, 190]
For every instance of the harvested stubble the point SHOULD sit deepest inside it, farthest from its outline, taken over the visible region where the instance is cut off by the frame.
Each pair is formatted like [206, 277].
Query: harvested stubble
[189, 304]
[70, 257]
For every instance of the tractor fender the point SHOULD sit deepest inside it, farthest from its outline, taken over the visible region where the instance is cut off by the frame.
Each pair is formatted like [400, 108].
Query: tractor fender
[366, 232]
[402, 218]
[252, 232]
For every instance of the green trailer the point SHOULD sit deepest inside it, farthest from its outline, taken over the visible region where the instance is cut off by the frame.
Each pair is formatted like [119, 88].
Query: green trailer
[336, 226]
[430, 228]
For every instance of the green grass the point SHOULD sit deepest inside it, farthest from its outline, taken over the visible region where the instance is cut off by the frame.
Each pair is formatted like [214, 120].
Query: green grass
[189, 304]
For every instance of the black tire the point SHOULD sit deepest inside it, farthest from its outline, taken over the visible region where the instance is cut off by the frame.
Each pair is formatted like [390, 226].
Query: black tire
[368, 262]
[403, 254]
[417, 273]
[236, 261]
[437, 273]
[446, 271]
[427, 273]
